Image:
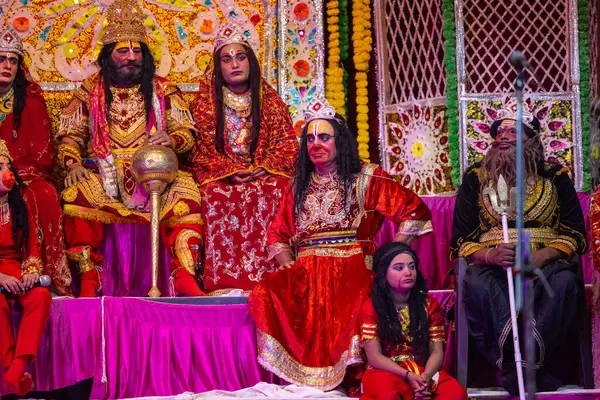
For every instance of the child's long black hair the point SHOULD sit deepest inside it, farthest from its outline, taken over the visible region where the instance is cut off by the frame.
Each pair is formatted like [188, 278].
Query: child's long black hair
[389, 327]
[19, 215]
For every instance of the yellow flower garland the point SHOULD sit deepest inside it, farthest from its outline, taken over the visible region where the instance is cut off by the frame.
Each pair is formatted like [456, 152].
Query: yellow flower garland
[334, 88]
[362, 40]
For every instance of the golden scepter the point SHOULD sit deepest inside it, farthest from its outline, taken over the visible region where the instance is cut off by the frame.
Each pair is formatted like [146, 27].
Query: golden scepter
[154, 167]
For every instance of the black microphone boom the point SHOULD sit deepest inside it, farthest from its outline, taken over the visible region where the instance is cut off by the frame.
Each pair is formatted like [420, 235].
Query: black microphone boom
[43, 281]
[518, 60]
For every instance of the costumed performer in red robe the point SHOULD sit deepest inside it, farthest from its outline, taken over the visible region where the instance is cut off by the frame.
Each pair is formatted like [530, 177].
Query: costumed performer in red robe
[307, 313]
[243, 160]
[26, 128]
[402, 331]
[20, 268]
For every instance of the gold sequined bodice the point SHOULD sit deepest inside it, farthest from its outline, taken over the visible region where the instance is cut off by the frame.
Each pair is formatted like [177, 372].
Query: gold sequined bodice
[325, 209]
[127, 119]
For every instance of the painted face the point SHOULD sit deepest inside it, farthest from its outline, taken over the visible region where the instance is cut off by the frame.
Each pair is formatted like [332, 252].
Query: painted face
[7, 178]
[9, 62]
[127, 60]
[402, 273]
[507, 133]
[320, 141]
[235, 66]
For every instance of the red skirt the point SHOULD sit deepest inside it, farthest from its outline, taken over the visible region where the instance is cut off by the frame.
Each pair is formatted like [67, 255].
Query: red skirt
[307, 316]
[383, 385]
[236, 221]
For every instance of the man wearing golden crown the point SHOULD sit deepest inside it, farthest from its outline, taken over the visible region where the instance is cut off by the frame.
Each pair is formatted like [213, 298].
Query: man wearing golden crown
[111, 115]
[25, 126]
[243, 160]
[554, 220]
[307, 313]
[20, 268]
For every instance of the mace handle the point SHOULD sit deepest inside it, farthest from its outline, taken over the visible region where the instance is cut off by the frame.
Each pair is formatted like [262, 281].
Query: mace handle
[154, 214]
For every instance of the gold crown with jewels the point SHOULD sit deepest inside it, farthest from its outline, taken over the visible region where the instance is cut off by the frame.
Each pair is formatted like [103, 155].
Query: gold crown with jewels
[125, 23]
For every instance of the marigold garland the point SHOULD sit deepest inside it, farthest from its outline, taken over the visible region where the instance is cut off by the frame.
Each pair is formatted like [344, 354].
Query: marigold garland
[334, 74]
[362, 41]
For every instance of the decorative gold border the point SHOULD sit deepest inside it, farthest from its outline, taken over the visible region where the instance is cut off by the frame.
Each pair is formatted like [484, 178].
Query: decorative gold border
[273, 357]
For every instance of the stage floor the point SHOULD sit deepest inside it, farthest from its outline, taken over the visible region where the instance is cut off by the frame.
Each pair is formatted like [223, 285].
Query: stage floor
[140, 347]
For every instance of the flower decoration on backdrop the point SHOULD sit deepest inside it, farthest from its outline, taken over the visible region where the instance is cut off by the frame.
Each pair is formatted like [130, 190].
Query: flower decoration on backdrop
[417, 149]
[555, 124]
[62, 38]
[362, 40]
[334, 74]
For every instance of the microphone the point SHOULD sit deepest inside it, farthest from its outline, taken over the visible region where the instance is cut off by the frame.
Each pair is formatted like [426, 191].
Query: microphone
[43, 281]
[518, 60]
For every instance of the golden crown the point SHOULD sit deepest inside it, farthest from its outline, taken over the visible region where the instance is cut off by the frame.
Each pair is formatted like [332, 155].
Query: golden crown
[125, 23]
[11, 42]
[229, 34]
[4, 150]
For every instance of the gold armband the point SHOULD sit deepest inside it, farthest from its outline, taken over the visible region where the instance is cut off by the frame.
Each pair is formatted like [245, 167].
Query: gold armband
[68, 155]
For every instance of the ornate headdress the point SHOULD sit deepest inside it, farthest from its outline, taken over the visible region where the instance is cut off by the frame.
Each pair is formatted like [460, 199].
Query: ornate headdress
[11, 42]
[125, 23]
[4, 150]
[319, 109]
[510, 112]
[229, 34]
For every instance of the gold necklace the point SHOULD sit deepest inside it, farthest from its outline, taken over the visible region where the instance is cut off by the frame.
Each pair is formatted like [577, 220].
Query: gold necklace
[241, 103]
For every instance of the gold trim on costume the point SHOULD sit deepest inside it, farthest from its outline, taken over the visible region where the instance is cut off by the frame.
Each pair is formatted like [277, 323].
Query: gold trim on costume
[469, 248]
[68, 150]
[32, 265]
[275, 358]
[182, 249]
[222, 292]
[82, 259]
[414, 227]
[329, 252]
[544, 236]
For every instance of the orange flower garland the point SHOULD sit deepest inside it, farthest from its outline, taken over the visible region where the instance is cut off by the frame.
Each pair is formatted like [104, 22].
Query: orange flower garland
[362, 40]
[334, 88]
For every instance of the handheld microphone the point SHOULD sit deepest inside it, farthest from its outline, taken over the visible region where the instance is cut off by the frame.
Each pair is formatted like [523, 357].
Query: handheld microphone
[43, 281]
[518, 60]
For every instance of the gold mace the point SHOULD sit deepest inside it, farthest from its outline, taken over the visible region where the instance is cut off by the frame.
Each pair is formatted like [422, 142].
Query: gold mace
[154, 167]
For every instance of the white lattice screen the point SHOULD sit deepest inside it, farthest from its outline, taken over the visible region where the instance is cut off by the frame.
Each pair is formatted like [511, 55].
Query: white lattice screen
[415, 52]
[492, 29]
[412, 94]
[546, 31]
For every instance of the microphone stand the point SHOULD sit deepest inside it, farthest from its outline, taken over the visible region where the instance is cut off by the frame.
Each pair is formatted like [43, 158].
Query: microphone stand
[522, 261]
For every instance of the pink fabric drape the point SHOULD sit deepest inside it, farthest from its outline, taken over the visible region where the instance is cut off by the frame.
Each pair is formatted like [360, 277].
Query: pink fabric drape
[71, 347]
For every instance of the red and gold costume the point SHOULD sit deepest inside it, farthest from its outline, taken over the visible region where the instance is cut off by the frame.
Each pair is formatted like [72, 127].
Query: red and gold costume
[88, 205]
[307, 316]
[112, 195]
[17, 261]
[33, 156]
[383, 385]
[237, 216]
[595, 228]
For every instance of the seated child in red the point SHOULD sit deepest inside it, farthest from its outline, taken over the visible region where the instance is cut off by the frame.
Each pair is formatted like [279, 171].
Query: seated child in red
[402, 330]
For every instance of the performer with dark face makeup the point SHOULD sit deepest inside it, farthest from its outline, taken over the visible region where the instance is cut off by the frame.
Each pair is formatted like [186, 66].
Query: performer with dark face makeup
[554, 220]
[113, 114]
